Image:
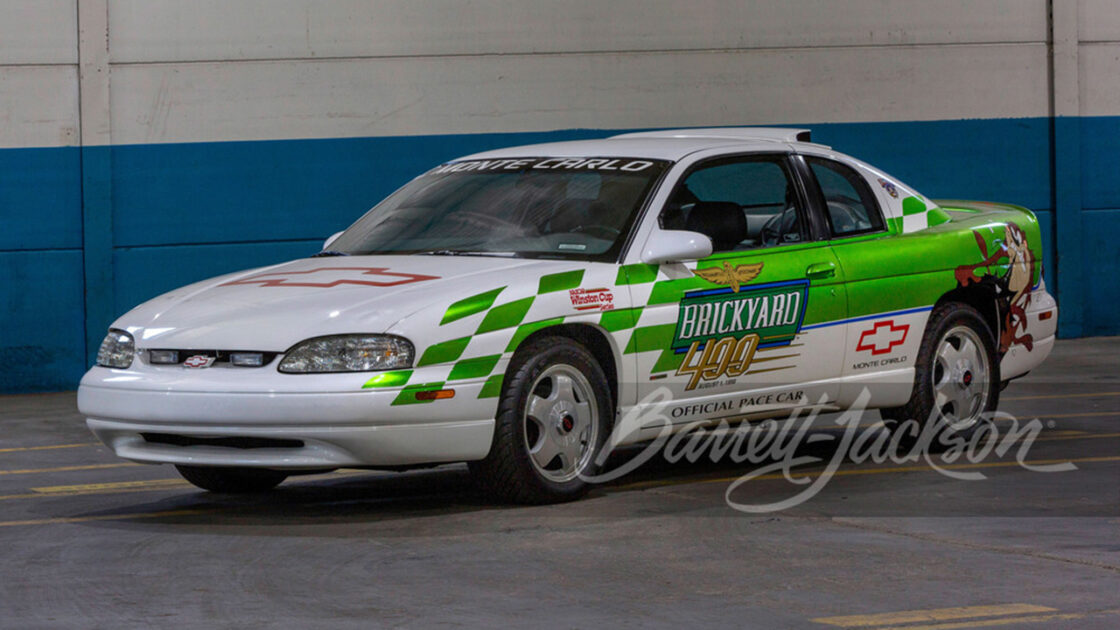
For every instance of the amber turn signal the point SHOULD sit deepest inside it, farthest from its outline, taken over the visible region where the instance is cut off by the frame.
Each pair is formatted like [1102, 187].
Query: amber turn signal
[435, 394]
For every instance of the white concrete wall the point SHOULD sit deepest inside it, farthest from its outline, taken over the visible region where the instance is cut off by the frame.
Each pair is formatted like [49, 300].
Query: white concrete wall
[258, 69]
[1099, 57]
[38, 73]
[221, 30]
[211, 70]
[264, 69]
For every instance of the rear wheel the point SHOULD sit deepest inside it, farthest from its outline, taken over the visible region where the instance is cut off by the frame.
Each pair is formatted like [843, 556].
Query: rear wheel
[232, 480]
[553, 419]
[956, 380]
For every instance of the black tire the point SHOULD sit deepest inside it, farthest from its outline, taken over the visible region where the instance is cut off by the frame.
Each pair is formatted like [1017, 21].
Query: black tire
[949, 324]
[580, 423]
[232, 480]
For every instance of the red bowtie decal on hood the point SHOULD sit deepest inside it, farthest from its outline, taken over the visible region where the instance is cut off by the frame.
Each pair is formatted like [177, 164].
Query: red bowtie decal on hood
[333, 277]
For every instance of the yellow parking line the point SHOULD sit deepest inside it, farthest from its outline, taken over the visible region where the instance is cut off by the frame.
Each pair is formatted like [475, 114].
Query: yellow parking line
[869, 471]
[1087, 414]
[1052, 396]
[932, 614]
[122, 487]
[1084, 436]
[117, 485]
[32, 471]
[105, 517]
[1002, 621]
[41, 495]
[47, 447]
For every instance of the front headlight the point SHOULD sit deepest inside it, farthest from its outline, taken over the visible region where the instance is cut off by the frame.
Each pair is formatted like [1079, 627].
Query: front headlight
[116, 350]
[348, 353]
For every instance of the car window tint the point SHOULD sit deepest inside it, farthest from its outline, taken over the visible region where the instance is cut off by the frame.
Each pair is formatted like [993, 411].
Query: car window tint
[848, 199]
[740, 203]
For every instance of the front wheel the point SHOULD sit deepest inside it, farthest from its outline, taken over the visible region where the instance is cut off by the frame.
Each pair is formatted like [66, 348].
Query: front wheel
[553, 419]
[956, 380]
[232, 480]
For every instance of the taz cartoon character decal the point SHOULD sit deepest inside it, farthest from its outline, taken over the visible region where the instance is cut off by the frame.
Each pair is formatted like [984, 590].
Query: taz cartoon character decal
[1012, 289]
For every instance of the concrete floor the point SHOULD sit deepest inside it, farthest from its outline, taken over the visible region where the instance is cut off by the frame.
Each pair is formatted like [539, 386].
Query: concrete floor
[90, 541]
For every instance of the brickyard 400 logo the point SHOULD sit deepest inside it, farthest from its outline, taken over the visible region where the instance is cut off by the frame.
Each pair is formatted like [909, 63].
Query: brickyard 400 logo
[719, 330]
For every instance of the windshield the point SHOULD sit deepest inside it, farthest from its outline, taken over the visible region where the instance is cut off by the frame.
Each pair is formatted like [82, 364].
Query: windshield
[534, 207]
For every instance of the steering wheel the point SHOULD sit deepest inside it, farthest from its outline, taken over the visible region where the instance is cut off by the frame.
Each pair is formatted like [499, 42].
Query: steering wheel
[478, 220]
[778, 225]
[845, 218]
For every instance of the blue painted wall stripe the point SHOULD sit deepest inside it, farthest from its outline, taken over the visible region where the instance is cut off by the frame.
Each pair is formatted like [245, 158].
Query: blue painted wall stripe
[1068, 233]
[97, 245]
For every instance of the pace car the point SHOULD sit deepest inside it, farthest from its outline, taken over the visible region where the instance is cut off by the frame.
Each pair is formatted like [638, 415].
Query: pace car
[507, 309]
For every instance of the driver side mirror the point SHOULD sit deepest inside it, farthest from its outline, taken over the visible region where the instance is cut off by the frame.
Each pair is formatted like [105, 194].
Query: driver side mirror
[332, 238]
[665, 246]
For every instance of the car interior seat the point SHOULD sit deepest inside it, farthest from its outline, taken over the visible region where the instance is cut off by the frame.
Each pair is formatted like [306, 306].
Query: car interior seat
[721, 221]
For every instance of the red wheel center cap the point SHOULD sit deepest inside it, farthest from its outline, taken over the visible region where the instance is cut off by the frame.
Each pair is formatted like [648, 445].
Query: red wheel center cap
[567, 423]
[967, 378]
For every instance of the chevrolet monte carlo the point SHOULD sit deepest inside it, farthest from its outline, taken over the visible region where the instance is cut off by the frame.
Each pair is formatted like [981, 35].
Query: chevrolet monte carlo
[507, 309]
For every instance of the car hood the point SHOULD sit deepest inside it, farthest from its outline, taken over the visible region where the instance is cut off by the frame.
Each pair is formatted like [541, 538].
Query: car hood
[272, 308]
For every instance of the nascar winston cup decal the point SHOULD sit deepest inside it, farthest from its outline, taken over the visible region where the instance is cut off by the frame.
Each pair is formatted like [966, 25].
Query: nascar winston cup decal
[719, 330]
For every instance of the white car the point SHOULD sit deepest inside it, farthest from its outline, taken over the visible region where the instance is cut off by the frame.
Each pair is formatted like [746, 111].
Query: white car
[506, 309]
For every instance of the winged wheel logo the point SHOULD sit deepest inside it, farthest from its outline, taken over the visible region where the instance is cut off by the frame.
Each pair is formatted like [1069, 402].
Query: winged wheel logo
[731, 276]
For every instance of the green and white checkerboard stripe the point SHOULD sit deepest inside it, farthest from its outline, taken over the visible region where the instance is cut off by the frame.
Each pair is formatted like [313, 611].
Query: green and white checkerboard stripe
[495, 317]
[641, 280]
[918, 214]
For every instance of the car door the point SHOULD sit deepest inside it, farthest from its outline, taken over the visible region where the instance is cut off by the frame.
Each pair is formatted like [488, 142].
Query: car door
[726, 335]
[883, 327]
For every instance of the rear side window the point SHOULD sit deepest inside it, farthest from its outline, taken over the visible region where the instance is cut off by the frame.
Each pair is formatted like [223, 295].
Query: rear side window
[848, 199]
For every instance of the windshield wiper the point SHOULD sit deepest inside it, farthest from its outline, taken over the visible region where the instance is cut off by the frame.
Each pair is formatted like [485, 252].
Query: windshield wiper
[329, 252]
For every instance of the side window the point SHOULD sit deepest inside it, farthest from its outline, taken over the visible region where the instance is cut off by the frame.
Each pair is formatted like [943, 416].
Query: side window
[740, 203]
[851, 205]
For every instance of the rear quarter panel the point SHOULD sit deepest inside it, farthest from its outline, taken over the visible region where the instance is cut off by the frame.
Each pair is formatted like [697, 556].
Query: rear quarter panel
[896, 278]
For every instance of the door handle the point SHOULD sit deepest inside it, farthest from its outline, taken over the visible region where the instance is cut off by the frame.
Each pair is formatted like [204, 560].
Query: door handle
[819, 271]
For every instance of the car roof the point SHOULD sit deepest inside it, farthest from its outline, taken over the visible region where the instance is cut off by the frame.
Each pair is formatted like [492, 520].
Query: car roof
[667, 144]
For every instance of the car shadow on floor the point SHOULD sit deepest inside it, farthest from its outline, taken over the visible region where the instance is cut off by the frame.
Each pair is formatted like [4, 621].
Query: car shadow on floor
[368, 496]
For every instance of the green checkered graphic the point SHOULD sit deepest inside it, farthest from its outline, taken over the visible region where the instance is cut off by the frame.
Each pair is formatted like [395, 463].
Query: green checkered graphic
[560, 281]
[505, 316]
[621, 319]
[393, 378]
[470, 306]
[525, 330]
[444, 351]
[916, 215]
[639, 273]
[474, 368]
[493, 387]
[670, 291]
[912, 205]
[660, 337]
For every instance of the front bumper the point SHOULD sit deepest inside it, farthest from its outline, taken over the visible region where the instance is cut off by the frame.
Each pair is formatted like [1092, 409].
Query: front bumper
[335, 428]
